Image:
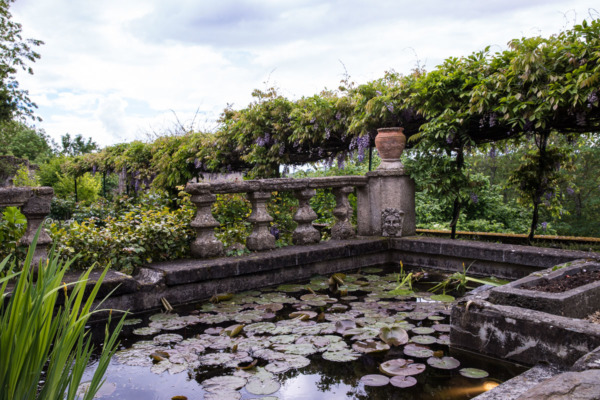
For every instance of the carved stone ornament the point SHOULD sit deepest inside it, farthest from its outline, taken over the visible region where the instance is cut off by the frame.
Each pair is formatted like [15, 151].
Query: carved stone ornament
[391, 222]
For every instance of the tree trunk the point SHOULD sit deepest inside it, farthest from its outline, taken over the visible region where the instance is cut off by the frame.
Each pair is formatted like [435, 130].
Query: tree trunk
[455, 215]
[534, 220]
[460, 162]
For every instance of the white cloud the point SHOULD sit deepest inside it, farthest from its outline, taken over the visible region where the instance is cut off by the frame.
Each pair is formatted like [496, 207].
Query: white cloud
[116, 70]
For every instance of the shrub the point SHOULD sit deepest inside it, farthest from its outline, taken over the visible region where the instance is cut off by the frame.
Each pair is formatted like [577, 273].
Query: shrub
[129, 239]
[36, 336]
[12, 227]
[24, 177]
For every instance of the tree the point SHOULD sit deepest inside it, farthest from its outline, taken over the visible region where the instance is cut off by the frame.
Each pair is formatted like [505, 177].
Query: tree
[15, 55]
[77, 145]
[20, 140]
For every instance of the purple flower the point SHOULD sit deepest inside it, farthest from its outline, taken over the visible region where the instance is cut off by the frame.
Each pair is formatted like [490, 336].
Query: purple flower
[378, 92]
[493, 119]
[390, 107]
[474, 198]
[197, 163]
[338, 115]
[327, 133]
[274, 231]
[544, 225]
[94, 168]
[281, 150]
[549, 195]
[570, 191]
[492, 153]
[312, 120]
[341, 159]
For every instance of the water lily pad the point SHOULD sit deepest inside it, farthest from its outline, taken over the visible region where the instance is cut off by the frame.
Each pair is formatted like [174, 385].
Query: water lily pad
[443, 362]
[403, 381]
[223, 394]
[422, 330]
[394, 336]
[423, 339]
[278, 367]
[168, 338]
[446, 298]
[261, 387]
[474, 373]
[436, 318]
[444, 340]
[343, 355]
[273, 307]
[417, 315]
[410, 369]
[442, 328]
[418, 351]
[260, 328]
[343, 325]
[374, 380]
[146, 331]
[303, 315]
[223, 383]
[233, 330]
[132, 321]
[370, 346]
[391, 366]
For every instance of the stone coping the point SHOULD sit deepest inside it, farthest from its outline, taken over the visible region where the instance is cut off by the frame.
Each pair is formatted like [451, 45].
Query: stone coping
[18, 196]
[578, 302]
[276, 184]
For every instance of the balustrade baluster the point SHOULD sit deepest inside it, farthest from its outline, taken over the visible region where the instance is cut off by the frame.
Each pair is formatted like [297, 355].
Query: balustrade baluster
[206, 244]
[36, 209]
[305, 232]
[261, 238]
[343, 211]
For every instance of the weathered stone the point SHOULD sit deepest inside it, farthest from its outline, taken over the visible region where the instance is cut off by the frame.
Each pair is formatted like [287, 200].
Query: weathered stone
[391, 222]
[36, 209]
[567, 386]
[305, 233]
[206, 244]
[342, 229]
[261, 238]
[578, 302]
[589, 361]
[518, 385]
[386, 189]
[521, 335]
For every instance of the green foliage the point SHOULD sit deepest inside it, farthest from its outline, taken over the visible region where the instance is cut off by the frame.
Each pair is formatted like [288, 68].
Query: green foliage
[12, 227]
[88, 187]
[20, 140]
[24, 177]
[128, 235]
[76, 145]
[15, 55]
[36, 336]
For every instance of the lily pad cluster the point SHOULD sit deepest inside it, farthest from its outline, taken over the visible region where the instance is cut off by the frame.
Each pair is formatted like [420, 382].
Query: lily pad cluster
[252, 338]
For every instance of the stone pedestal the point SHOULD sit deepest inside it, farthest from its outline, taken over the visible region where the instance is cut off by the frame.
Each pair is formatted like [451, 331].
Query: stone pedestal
[305, 233]
[261, 238]
[206, 244]
[36, 209]
[389, 194]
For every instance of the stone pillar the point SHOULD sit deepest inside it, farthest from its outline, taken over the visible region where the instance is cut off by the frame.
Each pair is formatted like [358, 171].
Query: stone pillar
[206, 244]
[343, 211]
[389, 194]
[305, 233]
[260, 238]
[36, 209]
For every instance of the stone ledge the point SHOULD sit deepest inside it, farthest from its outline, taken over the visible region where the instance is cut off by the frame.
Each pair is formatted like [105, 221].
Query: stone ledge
[186, 271]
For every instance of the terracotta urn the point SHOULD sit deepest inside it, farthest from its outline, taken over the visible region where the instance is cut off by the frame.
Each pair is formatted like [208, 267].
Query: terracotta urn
[390, 143]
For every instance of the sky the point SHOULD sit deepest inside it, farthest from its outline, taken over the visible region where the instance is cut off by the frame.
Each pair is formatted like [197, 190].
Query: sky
[123, 70]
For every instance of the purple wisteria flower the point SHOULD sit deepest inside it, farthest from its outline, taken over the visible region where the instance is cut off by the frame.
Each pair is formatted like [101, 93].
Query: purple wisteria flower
[338, 115]
[378, 93]
[363, 143]
[544, 225]
[474, 198]
[570, 191]
[390, 107]
[327, 133]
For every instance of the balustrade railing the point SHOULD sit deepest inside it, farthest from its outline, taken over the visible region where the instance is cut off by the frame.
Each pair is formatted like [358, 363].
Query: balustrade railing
[259, 193]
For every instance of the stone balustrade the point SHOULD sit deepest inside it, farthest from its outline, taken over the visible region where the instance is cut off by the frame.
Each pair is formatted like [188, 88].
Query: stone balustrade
[259, 193]
[34, 203]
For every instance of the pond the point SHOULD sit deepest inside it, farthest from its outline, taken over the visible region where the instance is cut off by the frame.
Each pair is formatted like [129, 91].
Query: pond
[339, 337]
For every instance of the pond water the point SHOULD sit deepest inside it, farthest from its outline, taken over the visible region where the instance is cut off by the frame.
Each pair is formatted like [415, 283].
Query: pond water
[340, 337]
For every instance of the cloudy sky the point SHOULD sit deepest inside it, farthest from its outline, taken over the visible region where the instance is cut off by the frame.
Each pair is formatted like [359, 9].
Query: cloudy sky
[120, 70]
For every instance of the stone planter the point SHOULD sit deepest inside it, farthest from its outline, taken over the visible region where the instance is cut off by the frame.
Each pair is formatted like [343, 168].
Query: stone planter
[390, 143]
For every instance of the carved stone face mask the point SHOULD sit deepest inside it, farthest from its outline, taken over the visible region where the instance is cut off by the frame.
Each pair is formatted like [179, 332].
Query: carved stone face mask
[391, 222]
